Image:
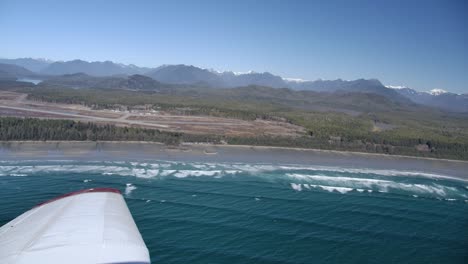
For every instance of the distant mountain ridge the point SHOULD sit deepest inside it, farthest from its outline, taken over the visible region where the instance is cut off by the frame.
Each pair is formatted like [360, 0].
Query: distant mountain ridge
[191, 75]
[13, 72]
[437, 98]
[106, 68]
[81, 80]
[185, 74]
[34, 65]
[232, 79]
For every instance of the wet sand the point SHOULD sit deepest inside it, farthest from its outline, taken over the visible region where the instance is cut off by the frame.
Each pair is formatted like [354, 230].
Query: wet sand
[140, 151]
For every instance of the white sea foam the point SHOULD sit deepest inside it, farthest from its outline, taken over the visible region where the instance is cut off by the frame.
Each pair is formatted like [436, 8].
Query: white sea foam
[87, 180]
[145, 173]
[260, 168]
[383, 186]
[382, 172]
[231, 171]
[167, 172]
[336, 178]
[196, 173]
[117, 165]
[138, 169]
[330, 188]
[129, 189]
[438, 190]
[335, 189]
[200, 166]
[308, 176]
[138, 172]
[299, 187]
[151, 173]
[296, 186]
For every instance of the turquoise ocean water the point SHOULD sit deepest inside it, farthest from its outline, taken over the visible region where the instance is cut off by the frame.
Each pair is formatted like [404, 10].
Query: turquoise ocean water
[259, 213]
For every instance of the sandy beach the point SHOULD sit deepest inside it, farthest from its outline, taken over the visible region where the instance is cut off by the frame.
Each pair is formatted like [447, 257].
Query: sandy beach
[140, 151]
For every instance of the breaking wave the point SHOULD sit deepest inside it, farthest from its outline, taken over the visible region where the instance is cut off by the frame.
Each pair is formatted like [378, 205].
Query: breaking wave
[300, 178]
[347, 184]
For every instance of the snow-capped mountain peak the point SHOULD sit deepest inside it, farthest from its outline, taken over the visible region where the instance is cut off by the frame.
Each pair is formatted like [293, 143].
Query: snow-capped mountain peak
[244, 73]
[437, 91]
[396, 86]
[297, 80]
[218, 72]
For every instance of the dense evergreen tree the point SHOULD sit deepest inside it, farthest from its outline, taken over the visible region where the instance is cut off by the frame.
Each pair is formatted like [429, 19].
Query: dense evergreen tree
[41, 129]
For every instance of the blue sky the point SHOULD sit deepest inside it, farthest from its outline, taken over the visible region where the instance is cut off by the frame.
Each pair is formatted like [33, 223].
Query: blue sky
[420, 44]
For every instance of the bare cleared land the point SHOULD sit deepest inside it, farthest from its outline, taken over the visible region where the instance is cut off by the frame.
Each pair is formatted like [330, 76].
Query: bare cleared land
[16, 105]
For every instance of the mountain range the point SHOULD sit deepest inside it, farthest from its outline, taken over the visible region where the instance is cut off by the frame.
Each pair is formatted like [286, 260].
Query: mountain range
[134, 82]
[107, 74]
[34, 65]
[13, 72]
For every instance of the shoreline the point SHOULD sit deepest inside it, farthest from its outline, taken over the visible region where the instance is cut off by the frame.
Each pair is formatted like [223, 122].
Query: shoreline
[209, 145]
[330, 151]
[198, 152]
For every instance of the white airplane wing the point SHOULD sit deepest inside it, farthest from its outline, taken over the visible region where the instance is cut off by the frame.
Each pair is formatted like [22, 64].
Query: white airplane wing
[89, 226]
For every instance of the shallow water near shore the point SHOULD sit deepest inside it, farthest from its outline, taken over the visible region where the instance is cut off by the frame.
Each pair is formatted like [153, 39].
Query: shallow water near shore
[239, 212]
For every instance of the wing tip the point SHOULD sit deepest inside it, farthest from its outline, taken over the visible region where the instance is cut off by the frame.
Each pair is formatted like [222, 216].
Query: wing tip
[91, 190]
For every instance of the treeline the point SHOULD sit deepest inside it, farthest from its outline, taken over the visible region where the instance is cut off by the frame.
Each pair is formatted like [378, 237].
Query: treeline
[43, 130]
[453, 151]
